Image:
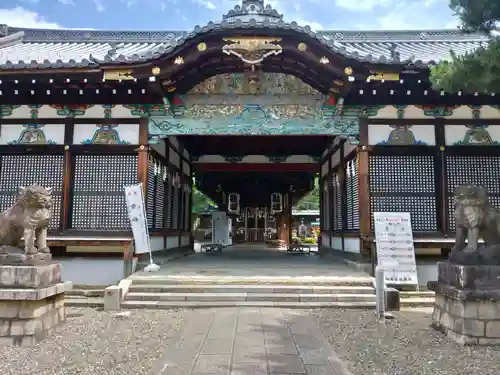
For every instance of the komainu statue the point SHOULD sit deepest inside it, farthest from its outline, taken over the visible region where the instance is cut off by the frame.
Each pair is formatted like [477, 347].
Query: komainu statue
[29, 217]
[475, 218]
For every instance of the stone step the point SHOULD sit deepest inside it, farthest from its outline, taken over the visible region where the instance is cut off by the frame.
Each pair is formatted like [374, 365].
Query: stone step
[71, 301]
[249, 288]
[421, 294]
[86, 292]
[417, 302]
[270, 297]
[255, 280]
[211, 304]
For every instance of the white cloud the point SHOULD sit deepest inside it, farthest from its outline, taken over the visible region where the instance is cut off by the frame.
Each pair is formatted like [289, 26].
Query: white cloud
[66, 2]
[99, 6]
[206, 3]
[20, 17]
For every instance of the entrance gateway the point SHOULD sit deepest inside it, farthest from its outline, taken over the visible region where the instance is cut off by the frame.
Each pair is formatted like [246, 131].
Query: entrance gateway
[255, 107]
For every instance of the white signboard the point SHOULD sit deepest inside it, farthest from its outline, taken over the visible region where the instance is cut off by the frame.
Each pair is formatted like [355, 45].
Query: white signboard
[395, 248]
[137, 215]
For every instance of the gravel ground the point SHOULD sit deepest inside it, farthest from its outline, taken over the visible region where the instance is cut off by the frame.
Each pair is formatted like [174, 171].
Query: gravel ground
[94, 342]
[406, 346]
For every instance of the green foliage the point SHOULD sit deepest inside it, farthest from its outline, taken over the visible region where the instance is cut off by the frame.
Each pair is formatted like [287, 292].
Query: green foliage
[309, 240]
[311, 200]
[201, 202]
[474, 72]
[477, 14]
[478, 71]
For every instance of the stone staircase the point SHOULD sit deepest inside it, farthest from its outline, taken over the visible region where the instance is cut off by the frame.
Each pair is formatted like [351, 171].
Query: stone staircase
[193, 292]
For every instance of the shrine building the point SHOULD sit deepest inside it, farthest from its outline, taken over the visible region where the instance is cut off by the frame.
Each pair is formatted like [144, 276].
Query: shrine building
[253, 108]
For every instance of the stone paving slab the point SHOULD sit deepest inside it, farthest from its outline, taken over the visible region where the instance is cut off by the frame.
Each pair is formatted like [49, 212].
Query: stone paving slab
[249, 341]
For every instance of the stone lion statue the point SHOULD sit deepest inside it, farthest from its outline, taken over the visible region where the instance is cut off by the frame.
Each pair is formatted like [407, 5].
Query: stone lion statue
[29, 217]
[475, 218]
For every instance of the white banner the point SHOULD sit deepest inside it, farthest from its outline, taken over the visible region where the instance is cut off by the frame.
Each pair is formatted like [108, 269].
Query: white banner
[137, 215]
[395, 248]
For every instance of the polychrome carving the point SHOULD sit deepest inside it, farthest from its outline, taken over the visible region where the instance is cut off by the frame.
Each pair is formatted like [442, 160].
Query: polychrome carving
[438, 111]
[70, 110]
[105, 135]
[477, 135]
[32, 134]
[6, 110]
[401, 135]
[146, 110]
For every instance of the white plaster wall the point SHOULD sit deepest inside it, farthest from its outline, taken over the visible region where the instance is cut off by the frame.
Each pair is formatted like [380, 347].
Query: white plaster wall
[456, 133]
[186, 154]
[175, 158]
[337, 243]
[172, 242]
[174, 141]
[53, 132]
[352, 245]
[324, 169]
[348, 148]
[156, 243]
[127, 132]
[160, 148]
[488, 112]
[336, 158]
[325, 240]
[186, 169]
[91, 271]
[380, 133]
[185, 241]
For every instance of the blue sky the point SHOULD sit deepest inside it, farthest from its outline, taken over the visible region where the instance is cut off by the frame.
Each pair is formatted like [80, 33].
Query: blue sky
[185, 14]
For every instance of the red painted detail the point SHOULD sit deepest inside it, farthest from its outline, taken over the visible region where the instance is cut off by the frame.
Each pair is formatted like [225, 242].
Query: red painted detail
[331, 101]
[264, 167]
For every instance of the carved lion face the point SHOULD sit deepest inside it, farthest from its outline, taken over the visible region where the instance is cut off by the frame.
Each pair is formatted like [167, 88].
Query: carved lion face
[471, 195]
[36, 196]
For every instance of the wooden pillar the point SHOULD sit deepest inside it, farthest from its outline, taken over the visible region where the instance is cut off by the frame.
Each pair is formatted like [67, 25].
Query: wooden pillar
[143, 162]
[67, 186]
[190, 211]
[167, 185]
[343, 190]
[289, 218]
[363, 155]
[180, 197]
[330, 199]
[441, 178]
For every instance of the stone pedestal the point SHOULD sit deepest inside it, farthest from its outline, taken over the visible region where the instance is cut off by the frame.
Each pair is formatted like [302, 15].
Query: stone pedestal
[467, 303]
[31, 302]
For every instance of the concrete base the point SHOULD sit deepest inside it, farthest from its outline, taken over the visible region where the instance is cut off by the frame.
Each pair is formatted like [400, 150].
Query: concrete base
[31, 303]
[467, 303]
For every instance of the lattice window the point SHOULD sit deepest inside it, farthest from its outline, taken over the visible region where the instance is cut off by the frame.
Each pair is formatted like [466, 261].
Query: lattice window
[477, 170]
[151, 192]
[160, 178]
[325, 207]
[25, 170]
[98, 195]
[336, 203]
[352, 195]
[169, 201]
[175, 206]
[405, 184]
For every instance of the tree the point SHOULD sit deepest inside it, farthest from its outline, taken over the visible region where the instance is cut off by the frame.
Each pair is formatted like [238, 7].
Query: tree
[478, 71]
[311, 200]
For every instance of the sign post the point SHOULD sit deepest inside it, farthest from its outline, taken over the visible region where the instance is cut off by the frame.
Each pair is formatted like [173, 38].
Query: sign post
[134, 198]
[395, 248]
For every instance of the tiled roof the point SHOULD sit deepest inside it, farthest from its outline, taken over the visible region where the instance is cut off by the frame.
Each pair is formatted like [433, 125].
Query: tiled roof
[35, 48]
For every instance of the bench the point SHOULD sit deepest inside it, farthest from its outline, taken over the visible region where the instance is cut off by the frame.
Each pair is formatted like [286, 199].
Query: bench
[299, 248]
[211, 248]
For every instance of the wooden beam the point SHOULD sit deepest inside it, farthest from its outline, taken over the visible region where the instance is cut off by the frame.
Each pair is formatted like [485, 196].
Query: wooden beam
[68, 178]
[255, 167]
[143, 157]
[363, 155]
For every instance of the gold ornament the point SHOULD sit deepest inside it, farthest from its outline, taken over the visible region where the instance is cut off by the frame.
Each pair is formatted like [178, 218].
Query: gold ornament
[324, 60]
[302, 47]
[348, 70]
[156, 71]
[202, 47]
[179, 60]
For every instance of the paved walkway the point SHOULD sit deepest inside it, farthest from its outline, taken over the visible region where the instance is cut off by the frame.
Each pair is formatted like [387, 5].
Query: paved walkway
[249, 341]
[241, 260]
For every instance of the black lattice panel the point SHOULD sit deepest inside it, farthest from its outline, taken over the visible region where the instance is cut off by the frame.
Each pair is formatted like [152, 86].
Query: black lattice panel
[25, 170]
[150, 201]
[175, 210]
[405, 184]
[160, 197]
[352, 195]
[169, 201]
[98, 193]
[476, 170]
[337, 204]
